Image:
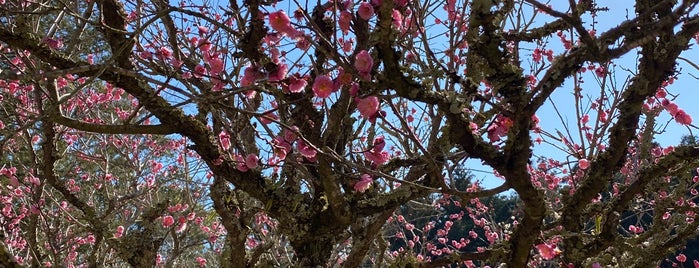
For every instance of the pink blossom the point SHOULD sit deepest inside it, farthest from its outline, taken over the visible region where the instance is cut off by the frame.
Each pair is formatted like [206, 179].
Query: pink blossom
[354, 89]
[163, 53]
[635, 230]
[379, 143]
[666, 215]
[600, 71]
[344, 21]
[347, 45]
[378, 158]
[363, 62]
[181, 227]
[323, 86]
[225, 140]
[546, 251]
[585, 119]
[250, 75]
[584, 164]
[200, 71]
[168, 221]
[55, 43]
[9, 172]
[251, 161]
[473, 127]
[305, 150]
[241, 163]
[299, 14]
[376, 155]
[201, 261]
[661, 93]
[681, 258]
[499, 128]
[119, 231]
[280, 73]
[280, 22]
[368, 106]
[301, 42]
[537, 55]
[397, 19]
[215, 66]
[363, 184]
[668, 150]
[366, 11]
[204, 45]
[290, 134]
[296, 85]
[671, 107]
[683, 118]
[274, 54]
[202, 30]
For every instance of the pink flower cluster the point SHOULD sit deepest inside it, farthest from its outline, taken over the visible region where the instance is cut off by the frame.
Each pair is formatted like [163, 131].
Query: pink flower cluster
[119, 232]
[344, 21]
[368, 107]
[366, 11]
[364, 183]
[168, 221]
[246, 163]
[499, 128]
[306, 150]
[54, 43]
[323, 86]
[281, 23]
[297, 84]
[282, 145]
[363, 62]
[243, 163]
[225, 140]
[636, 230]
[376, 154]
[547, 251]
[539, 53]
[682, 117]
[253, 73]
[584, 164]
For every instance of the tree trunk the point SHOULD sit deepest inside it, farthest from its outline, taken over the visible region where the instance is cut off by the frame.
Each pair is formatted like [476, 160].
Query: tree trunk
[315, 250]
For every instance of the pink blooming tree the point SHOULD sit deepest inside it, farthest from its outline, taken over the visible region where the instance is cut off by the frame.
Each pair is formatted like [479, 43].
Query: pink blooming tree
[150, 133]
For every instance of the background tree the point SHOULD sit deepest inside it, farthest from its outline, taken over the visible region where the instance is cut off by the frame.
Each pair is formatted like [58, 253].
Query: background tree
[284, 133]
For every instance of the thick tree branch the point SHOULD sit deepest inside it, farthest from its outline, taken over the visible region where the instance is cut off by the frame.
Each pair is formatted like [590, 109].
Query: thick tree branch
[363, 235]
[548, 28]
[224, 202]
[113, 129]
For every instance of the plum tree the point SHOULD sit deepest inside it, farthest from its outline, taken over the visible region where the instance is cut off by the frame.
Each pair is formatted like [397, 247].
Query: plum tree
[282, 133]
